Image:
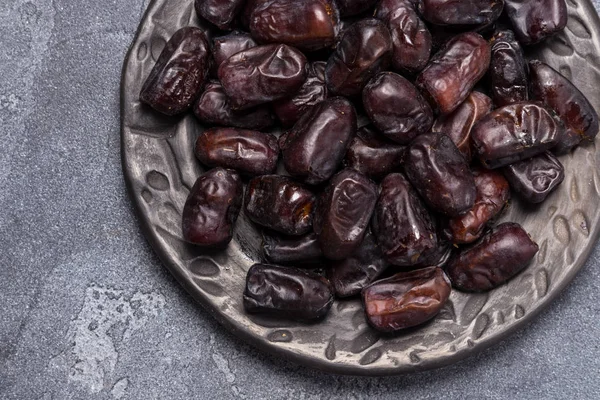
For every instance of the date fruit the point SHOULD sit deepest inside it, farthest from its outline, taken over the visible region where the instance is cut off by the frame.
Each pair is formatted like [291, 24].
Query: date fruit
[343, 213]
[212, 208]
[179, 73]
[279, 203]
[406, 299]
[500, 255]
[534, 179]
[534, 21]
[228, 45]
[220, 13]
[462, 13]
[439, 172]
[508, 70]
[396, 107]
[287, 293]
[292, 250]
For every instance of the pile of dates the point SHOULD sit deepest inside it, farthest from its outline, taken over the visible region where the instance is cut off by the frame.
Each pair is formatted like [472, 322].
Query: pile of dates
[375, 142]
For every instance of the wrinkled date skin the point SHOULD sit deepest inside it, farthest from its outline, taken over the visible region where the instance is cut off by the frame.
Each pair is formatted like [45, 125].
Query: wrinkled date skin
[533, 21]
[559, 94]
[439, 172]
[312, 92]
[373, 155]
[515, 132]
[493, 193]
[406, 299]
[535, 178]
[262, 74]
[396, 107]
[212, 208]
[179, 73]
[292, 250]
[343, 213]
[401, 224]
[213, 108]
[411, 40]
[308, 25]
[460, 122]
[350, 8]
[287, 293]
[348, 277]
[364, 50]
[314, 148]
[454, 70]
[249, 152]
[220, 13]
[279, 203]
[462, 13]
[228, 45]
[500, 255]
[508, 70]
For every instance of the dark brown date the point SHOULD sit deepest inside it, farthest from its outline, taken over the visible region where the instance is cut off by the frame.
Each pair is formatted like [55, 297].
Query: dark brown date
[348, 277]
[314, 148]
[396, 107]
[411, 40]
[401, 223]
[500, 255]
[292, 250]
[179, 73]
[262, 74]
[439, 172]
[249, 152]
[454, 70]
[279, 203]
[462, 13]
[312, 92]
[350, 8]
[373, 155]
[212, 208]
[364, 50]
[287, 293]
[534, 21]
[535, 178]
[458, 124]
[343, 213]
[213, 108]
[508, 70]
[493, 194]
[406, 299]
[515, 132]
[228, 45]
[220, 13]
[308, 25]
[559, 94]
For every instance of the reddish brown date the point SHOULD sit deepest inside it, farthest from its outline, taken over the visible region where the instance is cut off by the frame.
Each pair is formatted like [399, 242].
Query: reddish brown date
[213, 108]
[212, 208]
[462, 13]
[308, 25]
[534, 21]
[228, 45]
[515, 132]
[312, 92]
[303, 250]
[371, 154]
[279, 203]
[396, 107]
[350, 8]
[454, 70]
[287, 293]
[559, 94]
[314, 148]
[179, 73]
[364, 50]
[249, 152]
[401, 224]
[262, 74]
[348, 277]
[500, 255]
[343, 213]
[220, 13]
[406, 299]
[439, 172]
[493, 194]
[535, 178]
[508, 70]
[458, 124]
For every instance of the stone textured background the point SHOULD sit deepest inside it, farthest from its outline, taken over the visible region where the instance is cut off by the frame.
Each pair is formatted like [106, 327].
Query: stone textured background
[87, 310]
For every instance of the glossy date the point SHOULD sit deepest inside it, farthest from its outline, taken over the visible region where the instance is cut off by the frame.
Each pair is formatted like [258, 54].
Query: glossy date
[508, 70]
[228, 45]
[220, 13]
[302, 250]
[462, 13]
[535, 178]
[534, 21]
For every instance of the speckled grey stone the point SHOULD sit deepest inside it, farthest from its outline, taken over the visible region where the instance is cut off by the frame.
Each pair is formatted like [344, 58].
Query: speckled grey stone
[87, 310]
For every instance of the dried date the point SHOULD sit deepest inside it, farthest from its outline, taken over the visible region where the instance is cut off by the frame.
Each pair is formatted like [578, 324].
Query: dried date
[228, 45]
[462, 13]
[303, 250]
[533, 21]
[535, 178]
[220, 13]
[508, 70]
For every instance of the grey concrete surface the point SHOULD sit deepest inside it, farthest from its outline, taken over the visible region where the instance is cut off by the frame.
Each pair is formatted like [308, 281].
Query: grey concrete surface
[87, 310]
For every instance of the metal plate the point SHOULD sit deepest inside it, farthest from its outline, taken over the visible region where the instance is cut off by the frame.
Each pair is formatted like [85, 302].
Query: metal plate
[160, 169]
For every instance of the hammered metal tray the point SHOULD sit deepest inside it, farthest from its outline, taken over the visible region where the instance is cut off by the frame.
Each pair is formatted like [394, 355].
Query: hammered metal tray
[160, 169]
